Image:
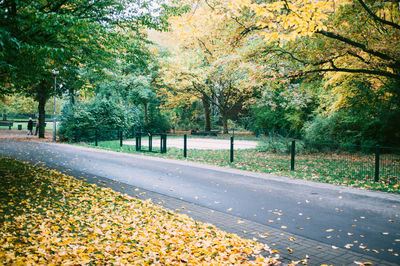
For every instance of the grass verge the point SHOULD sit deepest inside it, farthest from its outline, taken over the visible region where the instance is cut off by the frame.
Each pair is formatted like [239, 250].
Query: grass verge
[50, 218]
[335, 169]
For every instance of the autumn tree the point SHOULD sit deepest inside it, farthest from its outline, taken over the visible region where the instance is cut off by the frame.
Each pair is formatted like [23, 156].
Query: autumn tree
[38, 36]
[335, 41]
[207, 63]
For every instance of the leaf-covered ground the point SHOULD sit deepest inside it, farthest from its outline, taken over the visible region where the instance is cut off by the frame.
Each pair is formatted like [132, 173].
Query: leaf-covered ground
[47, 217]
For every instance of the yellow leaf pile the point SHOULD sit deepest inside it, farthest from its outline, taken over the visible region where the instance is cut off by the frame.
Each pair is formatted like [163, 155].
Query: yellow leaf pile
[50, 218]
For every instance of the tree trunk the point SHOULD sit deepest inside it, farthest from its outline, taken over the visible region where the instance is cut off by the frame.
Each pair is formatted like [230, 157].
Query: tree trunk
[42, 95]
[224, 118]
[207, 113]
[41, 108]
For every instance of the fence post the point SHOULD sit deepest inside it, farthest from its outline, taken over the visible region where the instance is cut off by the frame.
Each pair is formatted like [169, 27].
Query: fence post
[377, 151]
[161, 143]
[138, 141]
[292, 155]
[165, 143]
[231, 157]
[150, 142]
[120, 137]
[95, 137]
[185, 145]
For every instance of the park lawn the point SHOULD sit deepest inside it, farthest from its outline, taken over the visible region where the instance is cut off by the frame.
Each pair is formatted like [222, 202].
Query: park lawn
[318, 168]
[49, 126]
[50, 218]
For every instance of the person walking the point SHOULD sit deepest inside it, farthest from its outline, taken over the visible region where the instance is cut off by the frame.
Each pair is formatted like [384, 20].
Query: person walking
[30, 126]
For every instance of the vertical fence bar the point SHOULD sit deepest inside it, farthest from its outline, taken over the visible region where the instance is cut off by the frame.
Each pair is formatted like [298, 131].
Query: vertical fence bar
[377, 155]
[120, 136]
[161, 143]
[292, 155]
[231, 153]
[96, 134]
[150, 142]
[138, 141]
[185, 145]
[164, 143]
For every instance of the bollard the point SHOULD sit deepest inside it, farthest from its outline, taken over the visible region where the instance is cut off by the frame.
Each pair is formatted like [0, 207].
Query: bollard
[185, 145]
[292, 155]
[377, 154]
[231, 157]
[150, 142]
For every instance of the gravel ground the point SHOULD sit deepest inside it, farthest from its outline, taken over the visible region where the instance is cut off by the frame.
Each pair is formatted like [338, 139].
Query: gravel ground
[202, 143]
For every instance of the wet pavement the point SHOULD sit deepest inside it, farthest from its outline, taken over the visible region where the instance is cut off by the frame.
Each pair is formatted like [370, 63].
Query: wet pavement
[323, 219]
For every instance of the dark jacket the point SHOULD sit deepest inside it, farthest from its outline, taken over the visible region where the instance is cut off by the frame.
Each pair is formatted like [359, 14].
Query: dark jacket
[30, 125]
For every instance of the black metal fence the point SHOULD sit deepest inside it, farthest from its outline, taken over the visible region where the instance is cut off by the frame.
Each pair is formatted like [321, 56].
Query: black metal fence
[116, 137]
[374, 163]
[337, 160]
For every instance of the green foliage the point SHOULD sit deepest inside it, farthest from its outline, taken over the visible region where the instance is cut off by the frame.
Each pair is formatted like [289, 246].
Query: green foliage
[360, 114]
[158, 122]
[104, 114]
[283, 109]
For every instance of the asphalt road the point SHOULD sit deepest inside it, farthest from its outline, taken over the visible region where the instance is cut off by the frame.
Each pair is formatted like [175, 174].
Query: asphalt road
[363, 221]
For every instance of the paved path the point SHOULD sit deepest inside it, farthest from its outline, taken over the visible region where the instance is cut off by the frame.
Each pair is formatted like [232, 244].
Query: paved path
[322, 219]
[200, 143]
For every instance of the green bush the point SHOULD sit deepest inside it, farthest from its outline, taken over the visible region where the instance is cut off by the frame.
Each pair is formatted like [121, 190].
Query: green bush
[105, 115]
[158, 122]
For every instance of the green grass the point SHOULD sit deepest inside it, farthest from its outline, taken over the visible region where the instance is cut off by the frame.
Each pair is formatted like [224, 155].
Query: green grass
[356, 170]
[49, 126]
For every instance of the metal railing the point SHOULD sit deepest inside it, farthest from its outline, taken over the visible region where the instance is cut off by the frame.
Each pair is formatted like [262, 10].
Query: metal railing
[331, 160]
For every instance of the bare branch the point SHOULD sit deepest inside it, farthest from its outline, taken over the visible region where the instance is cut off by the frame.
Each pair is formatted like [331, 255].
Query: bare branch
[204, 46]
[349, 70]
[372, 14]
[355, 44]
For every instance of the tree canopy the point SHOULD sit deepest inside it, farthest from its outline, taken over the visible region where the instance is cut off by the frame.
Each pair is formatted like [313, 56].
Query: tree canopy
[69, 35]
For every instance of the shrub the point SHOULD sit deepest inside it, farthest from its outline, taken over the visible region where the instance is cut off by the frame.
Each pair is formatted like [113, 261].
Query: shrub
[104, 114]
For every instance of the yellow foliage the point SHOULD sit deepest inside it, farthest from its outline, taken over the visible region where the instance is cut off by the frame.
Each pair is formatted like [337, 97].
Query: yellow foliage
[67, 221]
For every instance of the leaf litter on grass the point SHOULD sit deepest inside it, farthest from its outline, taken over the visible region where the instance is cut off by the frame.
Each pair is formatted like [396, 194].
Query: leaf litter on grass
[50, 218]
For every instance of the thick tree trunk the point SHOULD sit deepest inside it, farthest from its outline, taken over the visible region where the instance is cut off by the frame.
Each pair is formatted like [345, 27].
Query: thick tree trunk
[42, 95]
[224, 118]
[207, 113]
[41, 108]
